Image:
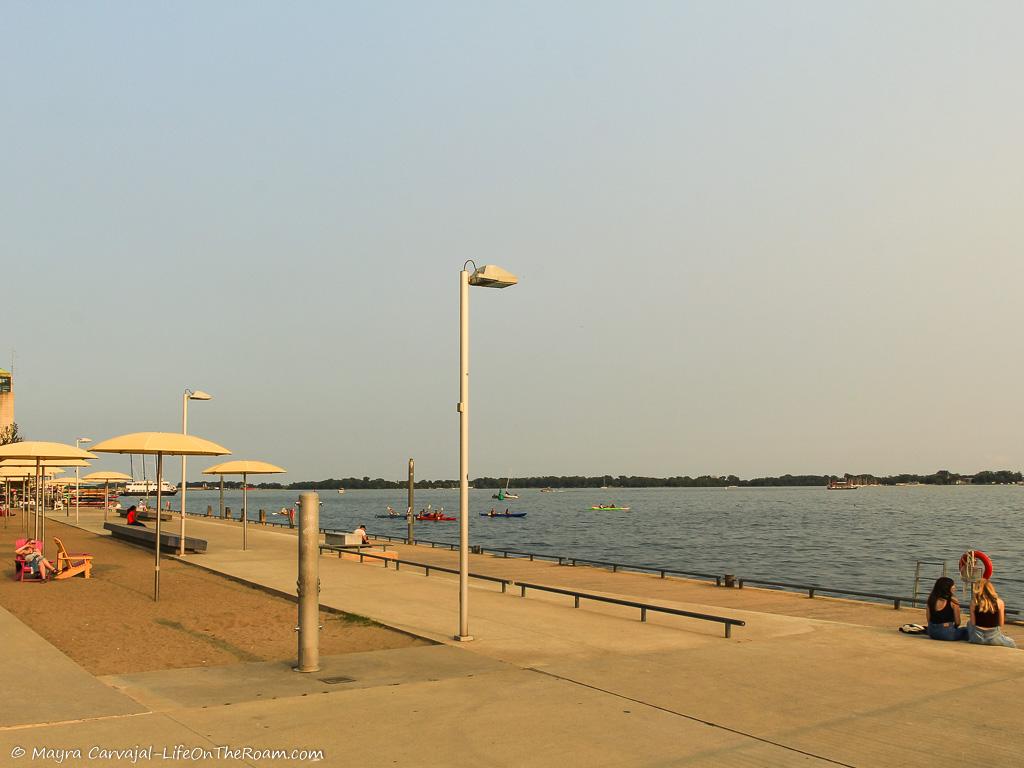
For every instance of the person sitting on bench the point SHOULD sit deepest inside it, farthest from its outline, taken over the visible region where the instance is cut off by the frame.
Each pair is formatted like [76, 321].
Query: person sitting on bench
[361, 531]
[133, 517]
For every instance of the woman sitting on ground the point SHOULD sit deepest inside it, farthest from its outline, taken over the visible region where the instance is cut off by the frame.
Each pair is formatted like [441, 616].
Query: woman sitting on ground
[34, 559]
[943, 612]
[988, 615]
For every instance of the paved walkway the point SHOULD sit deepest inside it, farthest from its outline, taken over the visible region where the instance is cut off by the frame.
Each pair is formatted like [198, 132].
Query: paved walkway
[807, 682]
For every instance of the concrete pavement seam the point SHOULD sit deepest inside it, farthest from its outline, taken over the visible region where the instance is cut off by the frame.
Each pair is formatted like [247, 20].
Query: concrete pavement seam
[49, 723]
[691, 717]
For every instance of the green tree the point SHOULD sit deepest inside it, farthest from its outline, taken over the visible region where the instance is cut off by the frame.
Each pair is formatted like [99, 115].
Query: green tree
[10, 434]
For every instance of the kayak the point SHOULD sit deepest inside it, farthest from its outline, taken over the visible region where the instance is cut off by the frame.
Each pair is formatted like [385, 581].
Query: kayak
[503, 514]
[612, 509]
[390, 517]
[435, 518]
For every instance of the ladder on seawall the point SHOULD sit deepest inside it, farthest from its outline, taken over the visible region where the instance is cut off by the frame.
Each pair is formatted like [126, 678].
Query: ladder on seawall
[917, 575]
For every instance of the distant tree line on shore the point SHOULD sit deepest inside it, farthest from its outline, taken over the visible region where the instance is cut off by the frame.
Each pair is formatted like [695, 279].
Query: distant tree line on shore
[941, 477]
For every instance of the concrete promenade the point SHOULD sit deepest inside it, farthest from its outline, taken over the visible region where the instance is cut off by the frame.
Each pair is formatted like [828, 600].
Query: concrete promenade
[806, 682]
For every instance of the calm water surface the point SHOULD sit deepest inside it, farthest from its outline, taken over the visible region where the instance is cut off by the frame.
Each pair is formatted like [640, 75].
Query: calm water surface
[868, 539]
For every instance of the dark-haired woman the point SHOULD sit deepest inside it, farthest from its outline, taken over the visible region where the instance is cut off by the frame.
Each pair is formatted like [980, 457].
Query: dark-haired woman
[943, 612]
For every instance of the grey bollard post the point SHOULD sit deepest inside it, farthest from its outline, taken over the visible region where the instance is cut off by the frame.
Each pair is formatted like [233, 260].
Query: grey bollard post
[209, 510]
[226, 514]
[263, 517]
[309, 582]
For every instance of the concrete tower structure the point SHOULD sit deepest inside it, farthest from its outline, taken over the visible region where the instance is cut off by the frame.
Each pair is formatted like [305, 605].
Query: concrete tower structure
[6, 398]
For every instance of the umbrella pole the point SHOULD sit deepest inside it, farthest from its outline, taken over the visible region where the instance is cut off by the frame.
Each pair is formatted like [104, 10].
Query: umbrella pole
[39, 500]
[156, 556]
[222, 497]
[245, 511]
[106, 499]
[24, 506]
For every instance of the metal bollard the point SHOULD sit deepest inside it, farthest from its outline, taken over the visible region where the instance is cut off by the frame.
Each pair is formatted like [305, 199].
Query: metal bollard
[263, 517]
[309, 583]
[209, 510]
[226, 514]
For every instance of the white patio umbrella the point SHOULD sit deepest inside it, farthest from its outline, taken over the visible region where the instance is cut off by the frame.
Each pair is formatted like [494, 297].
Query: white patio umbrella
[41, 452]
[244, 468]
[160, 444]
[107, 478]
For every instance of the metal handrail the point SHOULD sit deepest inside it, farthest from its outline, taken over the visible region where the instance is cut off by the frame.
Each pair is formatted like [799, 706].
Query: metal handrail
[644, 607]
[427, 567]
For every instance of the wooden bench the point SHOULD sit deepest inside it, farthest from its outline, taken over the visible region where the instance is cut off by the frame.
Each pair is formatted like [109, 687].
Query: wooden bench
[168, 541]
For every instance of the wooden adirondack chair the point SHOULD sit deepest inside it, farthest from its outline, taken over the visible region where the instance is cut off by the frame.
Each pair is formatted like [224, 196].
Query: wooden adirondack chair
[71, 565]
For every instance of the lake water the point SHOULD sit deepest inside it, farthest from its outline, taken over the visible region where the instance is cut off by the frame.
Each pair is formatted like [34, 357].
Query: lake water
[867, 540]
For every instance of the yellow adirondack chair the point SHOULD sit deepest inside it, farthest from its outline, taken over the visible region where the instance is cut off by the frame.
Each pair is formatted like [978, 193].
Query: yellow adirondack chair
[71, 565]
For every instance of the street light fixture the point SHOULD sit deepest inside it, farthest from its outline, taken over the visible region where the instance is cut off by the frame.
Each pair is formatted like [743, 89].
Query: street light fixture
[189, 394]
[487, 276]
[78, 443]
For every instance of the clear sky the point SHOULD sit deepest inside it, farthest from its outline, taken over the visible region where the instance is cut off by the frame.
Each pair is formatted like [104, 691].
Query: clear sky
[752, 237]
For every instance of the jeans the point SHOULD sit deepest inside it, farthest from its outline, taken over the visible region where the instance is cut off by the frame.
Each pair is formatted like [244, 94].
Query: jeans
[946, 632]
[993, 636]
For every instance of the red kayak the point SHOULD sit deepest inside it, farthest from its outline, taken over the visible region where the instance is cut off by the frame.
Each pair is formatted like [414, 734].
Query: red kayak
[435, 517]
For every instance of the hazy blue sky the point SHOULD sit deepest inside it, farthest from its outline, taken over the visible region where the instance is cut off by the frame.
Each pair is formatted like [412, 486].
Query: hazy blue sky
[752, 237]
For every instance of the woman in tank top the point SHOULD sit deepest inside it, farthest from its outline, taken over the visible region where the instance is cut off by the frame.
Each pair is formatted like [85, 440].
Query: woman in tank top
[988, 614]
[943, 612]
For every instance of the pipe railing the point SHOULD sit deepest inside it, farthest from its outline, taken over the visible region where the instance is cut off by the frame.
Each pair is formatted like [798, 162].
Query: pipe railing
[644, 607]
[728, 622]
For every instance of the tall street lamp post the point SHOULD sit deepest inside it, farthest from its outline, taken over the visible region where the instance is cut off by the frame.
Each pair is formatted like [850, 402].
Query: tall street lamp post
[78, 444]
[189, 394]
[487, 276]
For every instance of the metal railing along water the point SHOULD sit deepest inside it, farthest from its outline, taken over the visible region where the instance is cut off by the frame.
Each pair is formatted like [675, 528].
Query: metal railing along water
[811, 589]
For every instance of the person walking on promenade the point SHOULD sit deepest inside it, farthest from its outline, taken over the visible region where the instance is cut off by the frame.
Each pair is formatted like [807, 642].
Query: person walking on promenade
[943, 612]
[988, 615]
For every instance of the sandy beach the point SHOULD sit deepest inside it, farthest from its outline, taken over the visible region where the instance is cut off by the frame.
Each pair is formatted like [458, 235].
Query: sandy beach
[110, 625]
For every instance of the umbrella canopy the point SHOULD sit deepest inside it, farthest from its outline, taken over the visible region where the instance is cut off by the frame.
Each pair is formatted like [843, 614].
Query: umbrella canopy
[62, 481]
[243, 467]
[167, 443]
[22, 473]
[36, 449]
[162, 444]
[106, 477]
[44, 463]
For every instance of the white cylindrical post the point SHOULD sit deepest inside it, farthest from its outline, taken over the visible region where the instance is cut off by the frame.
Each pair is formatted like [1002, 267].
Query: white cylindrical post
[463, 457]
[309, 582]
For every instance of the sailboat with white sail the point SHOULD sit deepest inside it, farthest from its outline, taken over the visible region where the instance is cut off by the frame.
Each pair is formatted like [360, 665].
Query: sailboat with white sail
[503, 493]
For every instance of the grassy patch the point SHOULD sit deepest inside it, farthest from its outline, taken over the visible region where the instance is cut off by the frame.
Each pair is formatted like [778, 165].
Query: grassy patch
[356, 620]
[223, 645]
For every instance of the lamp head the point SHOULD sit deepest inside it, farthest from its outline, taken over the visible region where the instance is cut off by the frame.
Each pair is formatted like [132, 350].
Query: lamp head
[84, 440]
[198, 395]
[492, 276]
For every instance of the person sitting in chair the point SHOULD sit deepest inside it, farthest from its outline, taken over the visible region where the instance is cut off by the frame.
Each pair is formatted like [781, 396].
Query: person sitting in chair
[132, 517]
[34, 559]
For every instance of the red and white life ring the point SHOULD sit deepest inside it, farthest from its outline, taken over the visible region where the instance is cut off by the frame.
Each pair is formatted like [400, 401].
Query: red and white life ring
[978, 555]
